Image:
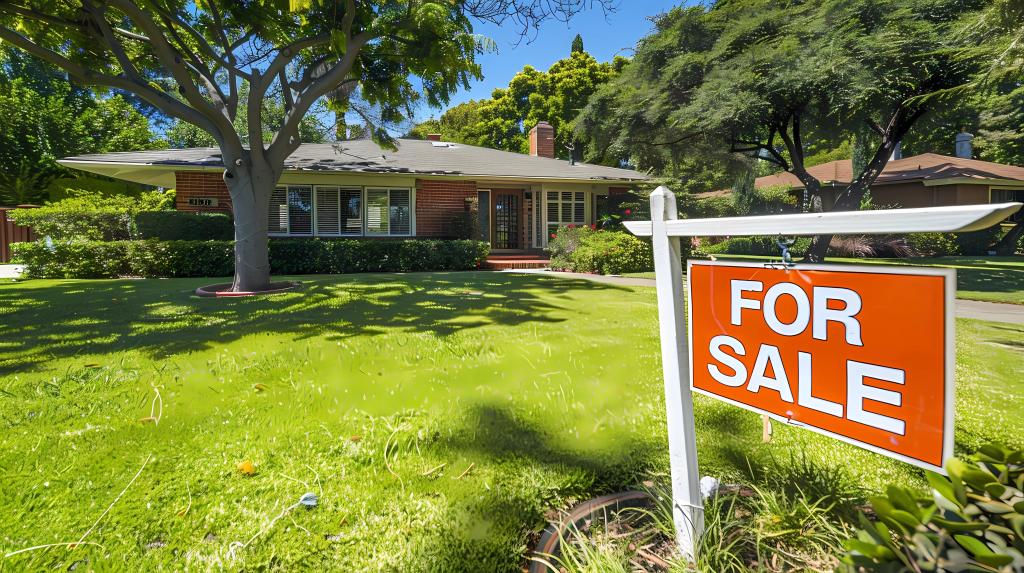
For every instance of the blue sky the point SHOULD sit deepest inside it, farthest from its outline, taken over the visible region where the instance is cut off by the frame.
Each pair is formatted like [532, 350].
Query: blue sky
[604, 36]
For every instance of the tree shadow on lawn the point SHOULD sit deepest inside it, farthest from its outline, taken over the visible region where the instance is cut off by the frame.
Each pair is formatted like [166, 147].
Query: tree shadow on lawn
[163, 317]
[983, 274]
[505, 437]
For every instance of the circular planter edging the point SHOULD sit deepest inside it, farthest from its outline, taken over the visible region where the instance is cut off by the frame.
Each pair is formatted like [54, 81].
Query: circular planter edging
[552, 536]
[222, 290]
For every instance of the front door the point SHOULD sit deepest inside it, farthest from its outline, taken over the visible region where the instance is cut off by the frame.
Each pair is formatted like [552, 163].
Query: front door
[507, 220]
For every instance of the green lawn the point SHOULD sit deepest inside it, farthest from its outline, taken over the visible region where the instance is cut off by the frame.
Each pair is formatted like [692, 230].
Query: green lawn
[438, 416]
[994, 279]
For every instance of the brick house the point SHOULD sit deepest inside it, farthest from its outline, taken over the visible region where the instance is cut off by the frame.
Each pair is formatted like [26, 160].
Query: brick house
[426, 188]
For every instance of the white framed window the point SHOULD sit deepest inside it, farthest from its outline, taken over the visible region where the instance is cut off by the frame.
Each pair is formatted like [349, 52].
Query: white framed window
[339, 211]
[334, 211]
[388, 212]
[566, 208]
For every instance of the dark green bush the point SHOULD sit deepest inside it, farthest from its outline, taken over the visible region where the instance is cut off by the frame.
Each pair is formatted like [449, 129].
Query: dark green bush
[100, 259]
[183, 226]
[973, 521]
[181, 258]
[311, 256]
[975, 243]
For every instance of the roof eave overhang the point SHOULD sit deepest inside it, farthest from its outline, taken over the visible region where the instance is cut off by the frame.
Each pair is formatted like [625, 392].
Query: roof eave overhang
[163, 175]
[996, 182]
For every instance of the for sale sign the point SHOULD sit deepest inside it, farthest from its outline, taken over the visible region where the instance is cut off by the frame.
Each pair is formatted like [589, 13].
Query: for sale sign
[860, 353]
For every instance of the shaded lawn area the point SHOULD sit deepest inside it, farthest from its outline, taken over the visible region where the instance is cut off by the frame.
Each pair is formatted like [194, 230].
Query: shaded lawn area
[992, 279]
[440, 417]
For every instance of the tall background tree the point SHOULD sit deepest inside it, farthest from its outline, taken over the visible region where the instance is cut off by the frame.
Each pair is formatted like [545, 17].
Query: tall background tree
[993, 40]
[44, 118]
[774, 80]
[189, 58]
[556, 96]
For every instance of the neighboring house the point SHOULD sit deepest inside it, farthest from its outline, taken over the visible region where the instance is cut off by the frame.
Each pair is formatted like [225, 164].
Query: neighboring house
[926, 180]
[425, 188]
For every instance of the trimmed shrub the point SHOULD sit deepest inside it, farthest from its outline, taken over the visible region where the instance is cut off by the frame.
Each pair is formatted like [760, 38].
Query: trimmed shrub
[181, 258]
[91, 216]
[109, 259]
[61, 225]
[585, 250]
[612, 253]
[183, 226]
[564, 242]
[72, 260]
[312, 256]
[972, 521]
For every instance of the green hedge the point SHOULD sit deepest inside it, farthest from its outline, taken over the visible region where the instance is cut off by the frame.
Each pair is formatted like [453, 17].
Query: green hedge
[975, 243]
[110, 259]
[762, 246]
[118, 225]
[183, 226]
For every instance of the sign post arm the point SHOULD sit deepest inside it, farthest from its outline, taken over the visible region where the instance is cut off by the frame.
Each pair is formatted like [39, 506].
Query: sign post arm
[687, 502]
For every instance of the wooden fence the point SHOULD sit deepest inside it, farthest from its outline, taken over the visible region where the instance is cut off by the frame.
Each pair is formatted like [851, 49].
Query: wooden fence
[12, 233]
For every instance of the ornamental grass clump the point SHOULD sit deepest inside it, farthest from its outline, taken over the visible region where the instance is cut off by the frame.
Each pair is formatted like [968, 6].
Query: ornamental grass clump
[974, 521]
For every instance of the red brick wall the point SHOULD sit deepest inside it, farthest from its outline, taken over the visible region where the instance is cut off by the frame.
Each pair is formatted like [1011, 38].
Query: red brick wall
[201, 184]
[438, 202]
[542, 140]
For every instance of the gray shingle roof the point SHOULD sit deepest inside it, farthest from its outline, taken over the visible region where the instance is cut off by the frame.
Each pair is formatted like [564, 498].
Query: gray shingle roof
[412, 157]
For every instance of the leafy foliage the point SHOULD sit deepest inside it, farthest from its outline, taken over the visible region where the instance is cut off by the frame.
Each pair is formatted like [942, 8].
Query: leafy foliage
[89, 215]
[92, 216]
[504, 121]
[583, 249]
[45, 118]
[974, 520]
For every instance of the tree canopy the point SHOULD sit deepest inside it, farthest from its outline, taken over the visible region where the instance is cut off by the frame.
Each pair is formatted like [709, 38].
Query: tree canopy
[504, 121]
[189, 59]
[770, 80]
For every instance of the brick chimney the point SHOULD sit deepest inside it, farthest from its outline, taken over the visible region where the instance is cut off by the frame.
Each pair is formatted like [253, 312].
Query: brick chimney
[542, 140]
[963, 144]
[433, 137]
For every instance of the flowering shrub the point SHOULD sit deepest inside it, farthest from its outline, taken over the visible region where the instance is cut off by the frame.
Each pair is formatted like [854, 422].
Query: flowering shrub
[586, 250]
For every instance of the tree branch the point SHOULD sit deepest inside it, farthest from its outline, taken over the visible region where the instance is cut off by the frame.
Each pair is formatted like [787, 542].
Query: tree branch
[166, 54]
[158, 99]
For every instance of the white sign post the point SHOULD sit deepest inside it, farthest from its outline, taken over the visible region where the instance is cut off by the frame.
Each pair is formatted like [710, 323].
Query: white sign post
[687, 503]
[665, 230]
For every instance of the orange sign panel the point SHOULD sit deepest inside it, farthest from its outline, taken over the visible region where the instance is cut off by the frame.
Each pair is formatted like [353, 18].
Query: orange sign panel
[860, 353]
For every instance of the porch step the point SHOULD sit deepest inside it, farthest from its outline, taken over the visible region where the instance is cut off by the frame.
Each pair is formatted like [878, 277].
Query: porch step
[506, 262]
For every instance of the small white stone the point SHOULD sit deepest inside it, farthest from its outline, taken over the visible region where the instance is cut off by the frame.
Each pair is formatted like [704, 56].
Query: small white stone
[708, 487]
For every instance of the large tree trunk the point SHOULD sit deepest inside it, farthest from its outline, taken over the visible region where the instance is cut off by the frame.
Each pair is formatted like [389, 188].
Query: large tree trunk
[1008, 244]
[250, 190]
[849, 200]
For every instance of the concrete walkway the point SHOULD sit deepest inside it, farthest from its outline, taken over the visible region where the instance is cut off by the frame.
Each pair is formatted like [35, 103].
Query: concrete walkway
[10, 271]
[972, 309]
